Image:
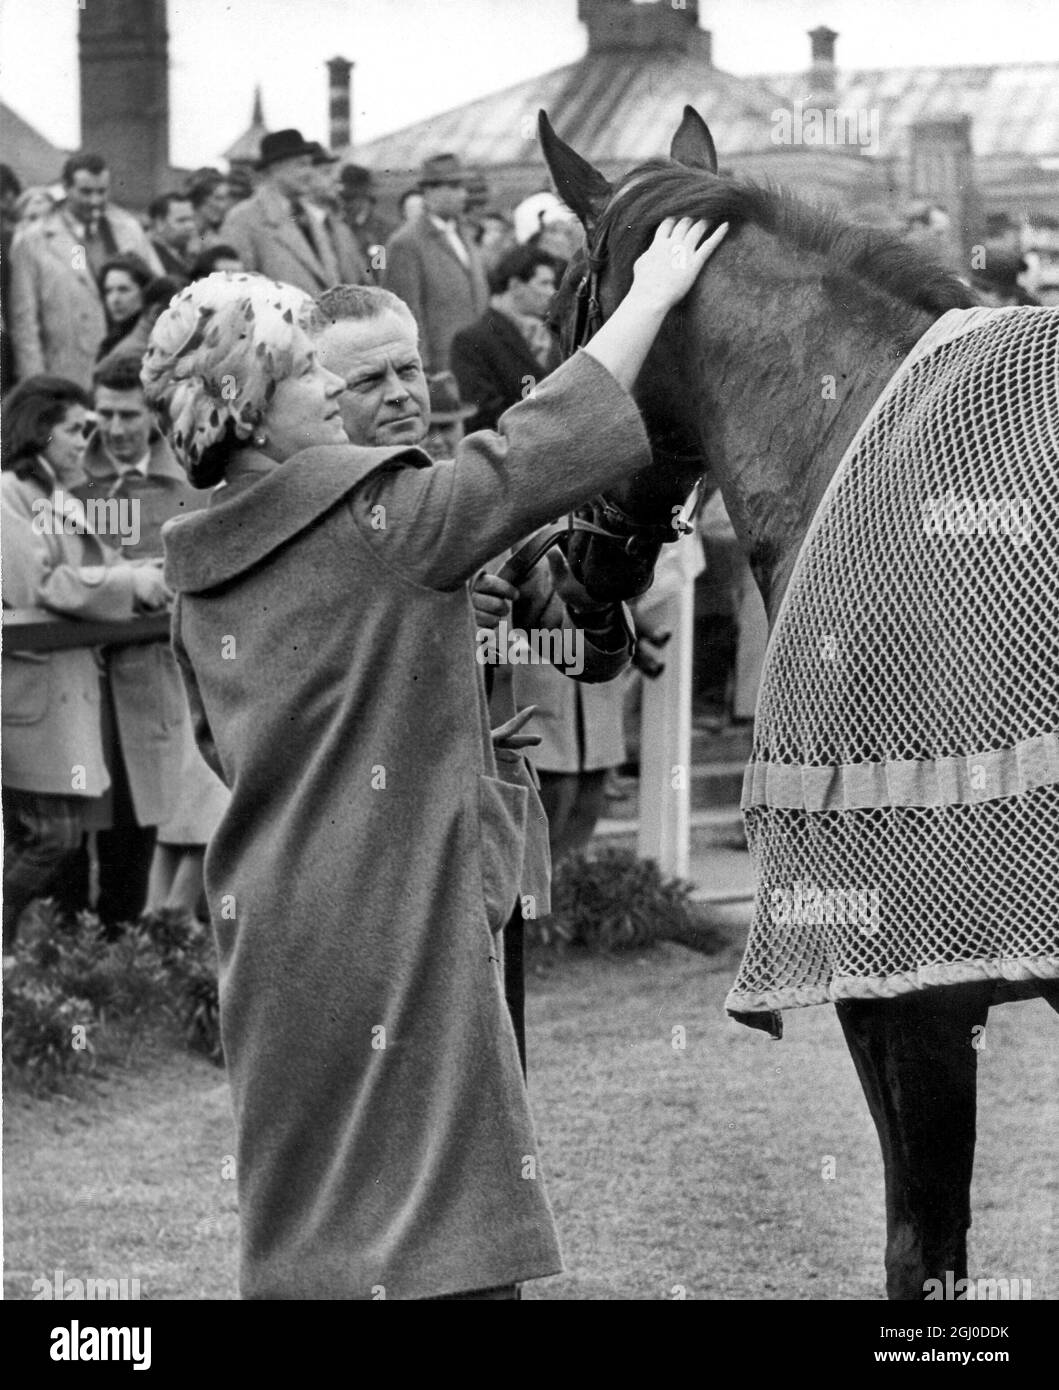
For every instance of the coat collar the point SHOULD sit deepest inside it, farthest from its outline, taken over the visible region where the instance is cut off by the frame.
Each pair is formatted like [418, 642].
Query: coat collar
[425, 225]
[100, 467]
[276, 212]
[245, 523]
[58, 238]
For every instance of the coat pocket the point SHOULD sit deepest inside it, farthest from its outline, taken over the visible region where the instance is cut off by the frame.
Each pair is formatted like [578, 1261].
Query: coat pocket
[502, 810]
[26, 682]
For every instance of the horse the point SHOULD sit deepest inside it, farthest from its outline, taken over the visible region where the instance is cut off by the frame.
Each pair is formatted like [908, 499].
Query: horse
[731, 396]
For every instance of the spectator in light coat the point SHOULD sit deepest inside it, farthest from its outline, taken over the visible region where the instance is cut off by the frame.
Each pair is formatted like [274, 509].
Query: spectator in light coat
[57, 320]
[53, 760]
[277, 232]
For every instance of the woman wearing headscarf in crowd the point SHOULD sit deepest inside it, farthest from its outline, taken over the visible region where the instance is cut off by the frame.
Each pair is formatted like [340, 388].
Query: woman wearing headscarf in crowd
[370, 852]
[53, 762]
[122, 283]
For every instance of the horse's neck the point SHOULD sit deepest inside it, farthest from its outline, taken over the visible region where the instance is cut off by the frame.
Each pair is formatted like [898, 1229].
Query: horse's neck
[781, 394]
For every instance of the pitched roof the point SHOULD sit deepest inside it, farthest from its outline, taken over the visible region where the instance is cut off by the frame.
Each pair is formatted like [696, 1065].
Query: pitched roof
[610, 106]
[33, 158]
[1014, 107]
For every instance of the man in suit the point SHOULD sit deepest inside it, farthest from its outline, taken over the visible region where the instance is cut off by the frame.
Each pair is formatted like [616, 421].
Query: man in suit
[325, 204]
[278, 232]
[145, 731]
[57, 320]
[499, 359]
[173, 231]
[433, 263]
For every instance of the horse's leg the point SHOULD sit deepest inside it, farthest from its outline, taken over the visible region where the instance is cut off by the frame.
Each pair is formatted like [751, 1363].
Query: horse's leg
[917, 1062]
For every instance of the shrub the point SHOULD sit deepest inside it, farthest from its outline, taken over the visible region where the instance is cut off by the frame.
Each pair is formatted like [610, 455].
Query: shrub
[41, 1041]
[70, 974]
[615, 901]
[190, 961]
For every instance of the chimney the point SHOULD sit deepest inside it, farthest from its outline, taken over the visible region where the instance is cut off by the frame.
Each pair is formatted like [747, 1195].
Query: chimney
[124, 59]
[821, 73]
[339, 103]
[623, 26]
[941, 172]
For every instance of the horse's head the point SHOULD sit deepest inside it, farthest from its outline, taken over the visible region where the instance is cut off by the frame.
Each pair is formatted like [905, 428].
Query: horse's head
[765, 371]
[648, 510]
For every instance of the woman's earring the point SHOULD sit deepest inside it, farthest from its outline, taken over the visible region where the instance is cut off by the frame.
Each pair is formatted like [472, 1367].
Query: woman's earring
[259, 441]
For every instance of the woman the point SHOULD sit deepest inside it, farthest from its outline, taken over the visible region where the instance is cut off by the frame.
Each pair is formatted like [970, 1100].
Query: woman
[370, 852]
[52, 746]
[156, 297]
[122, 283]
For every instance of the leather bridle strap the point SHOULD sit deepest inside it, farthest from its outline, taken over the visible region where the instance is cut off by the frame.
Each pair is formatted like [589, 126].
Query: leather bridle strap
[588, 319]
[515, 569]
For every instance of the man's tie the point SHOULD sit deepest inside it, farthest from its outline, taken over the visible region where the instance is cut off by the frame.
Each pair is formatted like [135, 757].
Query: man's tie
[305, 222]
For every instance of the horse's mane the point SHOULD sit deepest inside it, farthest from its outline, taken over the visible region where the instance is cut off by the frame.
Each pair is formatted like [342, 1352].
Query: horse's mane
[661, 188]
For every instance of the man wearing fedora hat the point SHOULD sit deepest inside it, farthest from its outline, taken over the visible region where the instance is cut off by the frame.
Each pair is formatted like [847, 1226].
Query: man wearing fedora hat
[447, 416]
[433, 264]
[279, 232]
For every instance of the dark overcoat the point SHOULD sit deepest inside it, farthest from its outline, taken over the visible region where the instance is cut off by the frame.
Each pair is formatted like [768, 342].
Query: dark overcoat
[493, 366]
[370, 851]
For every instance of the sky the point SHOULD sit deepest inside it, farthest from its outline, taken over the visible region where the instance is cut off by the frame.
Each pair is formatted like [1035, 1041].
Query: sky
[415, 58]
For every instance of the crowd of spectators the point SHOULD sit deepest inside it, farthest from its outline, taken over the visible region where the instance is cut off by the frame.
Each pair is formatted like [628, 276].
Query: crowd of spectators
[83, 283]
[107, 803]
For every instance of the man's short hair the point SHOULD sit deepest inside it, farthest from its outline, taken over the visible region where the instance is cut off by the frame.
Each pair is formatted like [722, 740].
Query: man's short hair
[205, 263]
[158, 208]
[520, 263]
[91, 163]
[359, 302]
[121, 373]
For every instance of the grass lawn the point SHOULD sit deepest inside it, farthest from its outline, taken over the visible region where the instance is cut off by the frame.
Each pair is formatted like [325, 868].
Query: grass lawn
[695, 1171]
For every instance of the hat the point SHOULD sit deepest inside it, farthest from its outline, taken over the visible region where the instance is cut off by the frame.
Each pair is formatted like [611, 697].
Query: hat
[357, 179]
[442, 168]
[536, 212]
[284, 144]
[1001, 270]
[445, 404]
[216, 354]
[321, 154]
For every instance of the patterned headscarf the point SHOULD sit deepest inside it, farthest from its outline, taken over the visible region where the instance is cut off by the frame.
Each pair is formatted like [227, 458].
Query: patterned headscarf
[217, 354]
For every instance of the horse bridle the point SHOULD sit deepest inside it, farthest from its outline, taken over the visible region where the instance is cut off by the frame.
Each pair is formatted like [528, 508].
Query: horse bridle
[625, 530]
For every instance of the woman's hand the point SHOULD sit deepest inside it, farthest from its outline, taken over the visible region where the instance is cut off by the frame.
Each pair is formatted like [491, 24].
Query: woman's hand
[661, 278]
[508, 736]
[491, 599]
[669, 267]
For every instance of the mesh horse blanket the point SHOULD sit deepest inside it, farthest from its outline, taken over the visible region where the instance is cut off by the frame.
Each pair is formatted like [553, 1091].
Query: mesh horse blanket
[902, 798]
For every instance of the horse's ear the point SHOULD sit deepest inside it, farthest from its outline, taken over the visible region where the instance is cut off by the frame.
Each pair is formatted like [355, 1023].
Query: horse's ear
[693, 144]
[581, 187]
